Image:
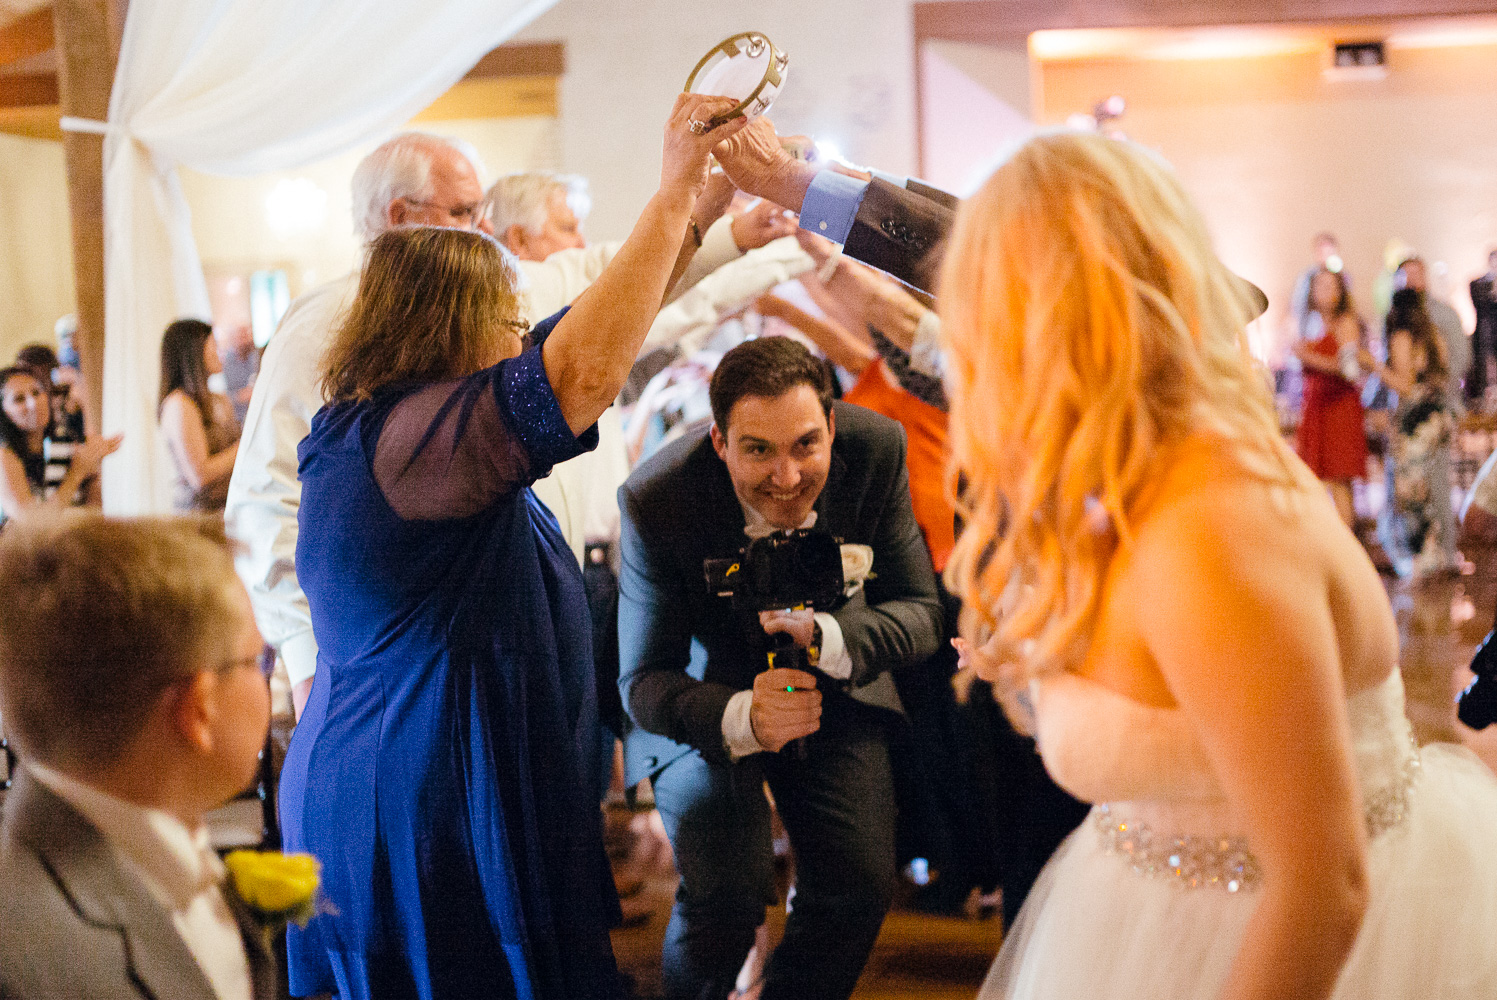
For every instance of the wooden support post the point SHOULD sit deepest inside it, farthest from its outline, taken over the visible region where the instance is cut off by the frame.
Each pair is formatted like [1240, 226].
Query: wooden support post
[87, 51]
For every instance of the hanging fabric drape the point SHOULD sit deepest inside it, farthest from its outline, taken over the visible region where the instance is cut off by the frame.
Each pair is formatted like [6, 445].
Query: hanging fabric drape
[243, 87]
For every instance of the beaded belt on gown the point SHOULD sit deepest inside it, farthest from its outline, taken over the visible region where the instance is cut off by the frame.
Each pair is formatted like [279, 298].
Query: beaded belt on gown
[1225, 862]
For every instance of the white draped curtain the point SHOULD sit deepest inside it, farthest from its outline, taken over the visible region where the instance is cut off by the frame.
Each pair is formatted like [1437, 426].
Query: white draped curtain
[243, 87]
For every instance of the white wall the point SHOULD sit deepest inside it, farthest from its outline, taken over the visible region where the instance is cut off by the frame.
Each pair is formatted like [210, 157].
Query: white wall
[1273, 153]
[976, 102]
[36, 247]
[851, 80]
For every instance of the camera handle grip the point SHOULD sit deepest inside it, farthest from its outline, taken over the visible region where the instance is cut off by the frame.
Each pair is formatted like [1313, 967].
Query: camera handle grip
[782, 648]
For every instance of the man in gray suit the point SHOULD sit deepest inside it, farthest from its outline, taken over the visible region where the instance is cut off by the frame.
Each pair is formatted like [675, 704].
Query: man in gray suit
[129, 673]
[713, 724]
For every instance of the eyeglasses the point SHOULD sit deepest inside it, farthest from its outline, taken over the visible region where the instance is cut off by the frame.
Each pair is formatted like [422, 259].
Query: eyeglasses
[461, 216]
[258, 661]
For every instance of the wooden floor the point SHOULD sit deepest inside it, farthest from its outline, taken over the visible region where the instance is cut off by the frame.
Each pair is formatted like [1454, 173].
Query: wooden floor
[936, 958]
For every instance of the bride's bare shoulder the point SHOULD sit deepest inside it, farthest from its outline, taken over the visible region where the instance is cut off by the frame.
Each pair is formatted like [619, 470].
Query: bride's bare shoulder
[1210, 499]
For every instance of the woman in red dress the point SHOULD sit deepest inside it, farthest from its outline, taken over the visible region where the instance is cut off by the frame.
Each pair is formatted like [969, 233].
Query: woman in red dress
[1331, 438]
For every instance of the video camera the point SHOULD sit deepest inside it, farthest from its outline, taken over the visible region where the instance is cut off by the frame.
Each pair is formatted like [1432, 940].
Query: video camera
[788, 569]
[795, 570]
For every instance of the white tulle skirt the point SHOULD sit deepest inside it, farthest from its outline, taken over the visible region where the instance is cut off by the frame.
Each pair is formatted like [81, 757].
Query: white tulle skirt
[1094, 928]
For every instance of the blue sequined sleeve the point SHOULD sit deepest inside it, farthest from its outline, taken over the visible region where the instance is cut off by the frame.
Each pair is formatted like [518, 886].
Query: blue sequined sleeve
[452, 449]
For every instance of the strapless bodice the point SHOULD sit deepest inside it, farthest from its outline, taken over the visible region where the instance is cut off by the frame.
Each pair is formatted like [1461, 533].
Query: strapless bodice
[1156, 791]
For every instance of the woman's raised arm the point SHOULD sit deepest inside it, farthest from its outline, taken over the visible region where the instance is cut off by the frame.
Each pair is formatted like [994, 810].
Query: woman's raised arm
[589, 354]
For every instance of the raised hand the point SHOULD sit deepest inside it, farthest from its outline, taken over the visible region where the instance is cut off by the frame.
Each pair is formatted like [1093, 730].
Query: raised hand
[714, 200]
[785, 707]
[762, 225]
[91, 453]
[756, 161]
[689, 141]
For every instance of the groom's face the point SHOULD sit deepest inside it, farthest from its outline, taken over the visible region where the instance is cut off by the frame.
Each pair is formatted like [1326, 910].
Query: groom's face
[778, 451]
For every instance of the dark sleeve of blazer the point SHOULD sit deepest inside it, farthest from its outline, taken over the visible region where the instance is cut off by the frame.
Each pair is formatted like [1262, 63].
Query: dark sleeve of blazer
[896, 618]
[655, 628]
[901, 230]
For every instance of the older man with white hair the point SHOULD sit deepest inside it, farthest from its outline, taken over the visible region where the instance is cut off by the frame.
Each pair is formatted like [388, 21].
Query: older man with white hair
[413, 179]
[537, 213]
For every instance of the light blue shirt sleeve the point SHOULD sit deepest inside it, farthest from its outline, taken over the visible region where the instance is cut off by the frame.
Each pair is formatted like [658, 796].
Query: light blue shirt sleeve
[831, 205]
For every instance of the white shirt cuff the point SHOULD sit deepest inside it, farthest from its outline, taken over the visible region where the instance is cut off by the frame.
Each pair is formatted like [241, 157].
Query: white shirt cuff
[738, 731]
[299, 653]
[718, 246]
[926, 356]
[835, 661]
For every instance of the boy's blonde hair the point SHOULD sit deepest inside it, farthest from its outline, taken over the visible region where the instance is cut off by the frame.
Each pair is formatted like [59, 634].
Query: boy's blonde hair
[101, 615]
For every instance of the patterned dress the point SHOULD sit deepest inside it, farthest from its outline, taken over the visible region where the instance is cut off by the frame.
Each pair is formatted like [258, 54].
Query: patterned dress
[1417, 527]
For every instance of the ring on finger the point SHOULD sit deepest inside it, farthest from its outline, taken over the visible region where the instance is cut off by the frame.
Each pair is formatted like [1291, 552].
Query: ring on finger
[698, 127]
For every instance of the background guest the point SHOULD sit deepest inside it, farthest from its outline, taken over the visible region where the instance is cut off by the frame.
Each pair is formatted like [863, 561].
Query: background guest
[1414, 276]
[67, 407]
[33, 470]
[1418, 524]
[197, 424]
[240, 361]
[539, 212]
[1484, 337]
[129, 671]
[1307, 318]
[1332, 439]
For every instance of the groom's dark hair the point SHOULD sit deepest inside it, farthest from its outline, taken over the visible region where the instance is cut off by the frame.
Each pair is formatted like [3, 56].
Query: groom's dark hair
[769, 367]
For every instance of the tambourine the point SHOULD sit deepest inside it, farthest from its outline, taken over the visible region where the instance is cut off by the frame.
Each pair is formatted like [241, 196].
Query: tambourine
[746, 67]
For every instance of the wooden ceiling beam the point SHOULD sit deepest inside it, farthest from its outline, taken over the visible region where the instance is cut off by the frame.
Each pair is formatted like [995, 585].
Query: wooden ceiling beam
[521, 59]
[29, 35]
[28, 90]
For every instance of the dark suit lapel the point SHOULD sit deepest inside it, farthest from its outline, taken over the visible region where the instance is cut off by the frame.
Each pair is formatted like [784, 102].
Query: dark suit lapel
[721, 504]
[262, 963]
[826, 505]
[104, 892]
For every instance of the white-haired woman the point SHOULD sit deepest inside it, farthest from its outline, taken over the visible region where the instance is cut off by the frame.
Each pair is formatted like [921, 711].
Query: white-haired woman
[1210, 655]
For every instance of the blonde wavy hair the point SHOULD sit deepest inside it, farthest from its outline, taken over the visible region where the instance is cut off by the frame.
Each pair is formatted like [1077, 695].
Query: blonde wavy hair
[1088, 324]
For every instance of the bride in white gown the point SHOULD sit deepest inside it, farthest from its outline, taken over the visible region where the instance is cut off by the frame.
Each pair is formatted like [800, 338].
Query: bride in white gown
[1208, 653]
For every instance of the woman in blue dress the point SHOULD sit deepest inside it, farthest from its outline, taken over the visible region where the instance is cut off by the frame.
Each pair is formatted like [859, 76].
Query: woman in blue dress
[443, 768]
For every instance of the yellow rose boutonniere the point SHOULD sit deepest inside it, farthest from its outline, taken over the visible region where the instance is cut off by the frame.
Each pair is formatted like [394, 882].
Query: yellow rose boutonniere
[278, 888]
